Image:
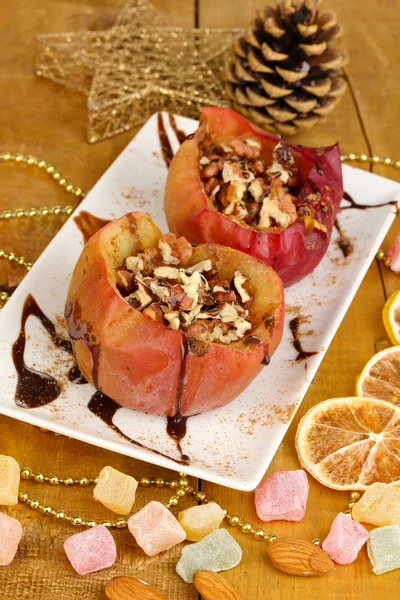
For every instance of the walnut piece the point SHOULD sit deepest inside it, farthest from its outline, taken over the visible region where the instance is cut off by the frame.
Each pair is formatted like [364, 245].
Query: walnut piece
[242, 186]
[192, 299]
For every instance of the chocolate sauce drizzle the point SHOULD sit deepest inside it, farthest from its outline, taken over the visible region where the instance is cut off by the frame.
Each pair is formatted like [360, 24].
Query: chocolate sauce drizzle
[176, 425]
[181, 135]
[75, 376]
[294, 325]
[354, 204]
[166, 149]
[88, 224]
[266, 360]
[105, 408]
[344, 243]
[253, 340]
[314, 188]
[35, 388]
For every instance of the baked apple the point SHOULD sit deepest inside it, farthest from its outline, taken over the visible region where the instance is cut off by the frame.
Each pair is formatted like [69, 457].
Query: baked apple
[167, 328]
[237, 185]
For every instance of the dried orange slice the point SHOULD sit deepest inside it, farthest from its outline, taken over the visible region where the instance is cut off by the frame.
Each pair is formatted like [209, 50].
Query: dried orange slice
[391, 317]
[380, 377]
[350, 443]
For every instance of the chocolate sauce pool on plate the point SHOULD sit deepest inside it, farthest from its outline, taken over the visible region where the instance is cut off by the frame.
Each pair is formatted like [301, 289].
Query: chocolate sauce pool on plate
[88, 224]
[35, 388]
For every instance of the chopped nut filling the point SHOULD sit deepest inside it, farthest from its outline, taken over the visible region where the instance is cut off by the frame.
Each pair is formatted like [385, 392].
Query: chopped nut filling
[240, 183]
[193, 299]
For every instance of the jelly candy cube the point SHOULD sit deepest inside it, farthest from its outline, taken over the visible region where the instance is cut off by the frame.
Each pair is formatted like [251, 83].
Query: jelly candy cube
[384, 549]
[380, 505]
[92, 550]
[115, 490]
[282, 496]
[199, 521]
[345, 539]
[394, 255]
[155, 528]
[10, 536]
[218, 551]
[9, 480]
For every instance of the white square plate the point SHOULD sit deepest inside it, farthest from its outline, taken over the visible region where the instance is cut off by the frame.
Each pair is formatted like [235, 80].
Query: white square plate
[234, 445]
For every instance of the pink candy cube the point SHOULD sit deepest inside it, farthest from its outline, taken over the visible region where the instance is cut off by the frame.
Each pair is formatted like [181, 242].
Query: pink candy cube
[92, 550]
[155, 528]
[10, 536]
[394, 255]
[345, 539]
[282, 496]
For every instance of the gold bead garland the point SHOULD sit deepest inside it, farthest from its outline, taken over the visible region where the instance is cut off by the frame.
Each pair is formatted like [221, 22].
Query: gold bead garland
[26, 473]
[374, 159]
[180, 487]
[20, 213]
[382, 256]
[54, 174]
[21, 260]
[354, 497]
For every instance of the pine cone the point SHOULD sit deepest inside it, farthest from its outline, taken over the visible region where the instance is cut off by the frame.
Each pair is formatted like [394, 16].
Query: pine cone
[285, 74]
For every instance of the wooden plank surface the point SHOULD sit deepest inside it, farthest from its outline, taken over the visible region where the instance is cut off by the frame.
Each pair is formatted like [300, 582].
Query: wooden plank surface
[44, 119]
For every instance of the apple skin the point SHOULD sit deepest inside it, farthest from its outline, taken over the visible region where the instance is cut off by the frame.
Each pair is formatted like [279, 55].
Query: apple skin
[144, 365]
[293, 252]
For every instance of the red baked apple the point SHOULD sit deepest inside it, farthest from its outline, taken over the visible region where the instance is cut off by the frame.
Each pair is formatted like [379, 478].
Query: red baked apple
[165, 328]
[237, 185]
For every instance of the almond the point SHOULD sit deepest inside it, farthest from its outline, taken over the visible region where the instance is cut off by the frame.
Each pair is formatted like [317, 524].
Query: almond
[212, 586]
[298, 557]
[130, 588]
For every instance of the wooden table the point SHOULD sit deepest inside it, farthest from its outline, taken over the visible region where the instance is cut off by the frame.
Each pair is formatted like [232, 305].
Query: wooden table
[47, 120]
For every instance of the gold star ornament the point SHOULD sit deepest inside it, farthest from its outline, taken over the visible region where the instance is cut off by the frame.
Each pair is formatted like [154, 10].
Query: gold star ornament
[138, 67]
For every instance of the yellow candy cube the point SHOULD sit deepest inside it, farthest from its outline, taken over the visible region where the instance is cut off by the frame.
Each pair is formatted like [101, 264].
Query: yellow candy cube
[115, 490]
[199, 521]
[9, 480]
[380, 505]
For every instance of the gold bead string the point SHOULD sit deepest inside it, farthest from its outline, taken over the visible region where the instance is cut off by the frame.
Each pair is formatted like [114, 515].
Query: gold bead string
[383, 257]
[26, 473]
[20, 260]
[30, 213]
[181, 488]
[47, 168]
[374, 159]
[354, 497]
